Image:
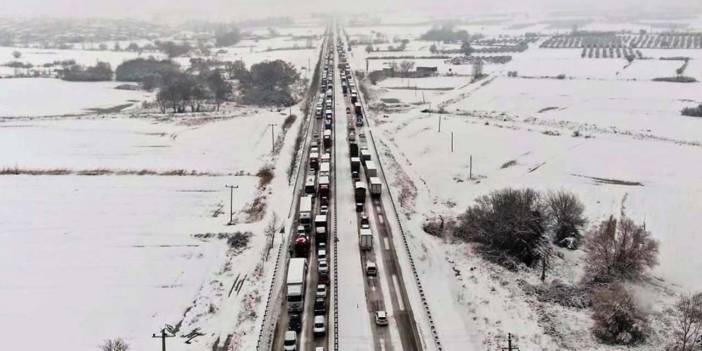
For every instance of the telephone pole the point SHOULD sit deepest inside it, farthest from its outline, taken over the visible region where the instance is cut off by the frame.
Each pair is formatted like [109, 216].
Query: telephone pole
[439, 118]
[451, 141]
[163, 337]
[470, 167]
[509, 344]
[231, 202]
[272, 125]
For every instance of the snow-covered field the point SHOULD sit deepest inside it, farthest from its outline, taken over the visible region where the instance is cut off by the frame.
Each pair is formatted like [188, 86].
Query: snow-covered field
[521, 132]
[46, 96]
[94, 245]
[77, 248]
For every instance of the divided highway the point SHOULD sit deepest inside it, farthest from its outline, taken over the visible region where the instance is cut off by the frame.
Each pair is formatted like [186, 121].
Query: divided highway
[343, 287]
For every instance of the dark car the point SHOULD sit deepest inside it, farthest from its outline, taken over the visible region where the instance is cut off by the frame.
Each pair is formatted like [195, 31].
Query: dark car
[320, 306]
[295, 322]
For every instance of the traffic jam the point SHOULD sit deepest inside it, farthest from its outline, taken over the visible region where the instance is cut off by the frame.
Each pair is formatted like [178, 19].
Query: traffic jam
[307, 306]
[308, 273]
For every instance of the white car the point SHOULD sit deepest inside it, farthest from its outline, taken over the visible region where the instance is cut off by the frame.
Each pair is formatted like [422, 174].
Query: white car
[322, 254]
[323, 209]
[323, 267]
[322, 245]
[371, 269]
[381, 318]
[320, 325]
[290, 341]
[321, 290]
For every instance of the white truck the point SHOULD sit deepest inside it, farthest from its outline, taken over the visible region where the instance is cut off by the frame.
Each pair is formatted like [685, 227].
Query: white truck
[371, 169]
[305, 211]
[376, 186]
[295, 283]
[365, 238]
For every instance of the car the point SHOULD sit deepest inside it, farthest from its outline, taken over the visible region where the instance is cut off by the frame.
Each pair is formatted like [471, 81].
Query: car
[381, 318]
[321, 245]
[323, 209]
[301, 230]
[314, 143]
[295, 322]
[290, 341]
[321, 290]
[320, 326]
[322, 254]
[320, 306]
[319, 348]
[348, 110]
[371, 269]
[365, 224]
[359, 207]
[323, 267]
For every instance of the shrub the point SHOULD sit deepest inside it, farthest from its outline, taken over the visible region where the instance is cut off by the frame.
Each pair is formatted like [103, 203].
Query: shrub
[288, 122]
[619, 250]
[617, 318]
[692, 111]
[566, 211]
[508, 221]
[265, 176]
[114, 345]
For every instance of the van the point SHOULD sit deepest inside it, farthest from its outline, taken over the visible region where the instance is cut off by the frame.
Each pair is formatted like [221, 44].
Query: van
[371, 269]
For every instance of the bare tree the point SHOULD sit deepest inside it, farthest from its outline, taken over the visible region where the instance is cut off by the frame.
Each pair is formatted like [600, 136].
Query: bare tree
[566, 211]
[16, 54]
[114, 345]
[687, 327]
[620, 249]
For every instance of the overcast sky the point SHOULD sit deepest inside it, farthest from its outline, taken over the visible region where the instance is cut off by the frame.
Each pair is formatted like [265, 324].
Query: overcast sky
[239, 9]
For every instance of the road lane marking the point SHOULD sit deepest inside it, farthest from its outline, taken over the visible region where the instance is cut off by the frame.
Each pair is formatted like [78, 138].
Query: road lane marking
[382, 344]
[380, 218]
[397, 292]
[387, 244]
[379, 209]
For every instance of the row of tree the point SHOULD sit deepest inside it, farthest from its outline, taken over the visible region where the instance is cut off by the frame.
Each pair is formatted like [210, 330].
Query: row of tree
[102, 71]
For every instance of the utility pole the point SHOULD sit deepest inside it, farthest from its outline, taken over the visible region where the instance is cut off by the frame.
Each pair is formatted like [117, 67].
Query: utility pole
[231, 202]
[163, 337]
[272, 125]
[509, 344]
[439, 117]
[451, 141]
[470, 167]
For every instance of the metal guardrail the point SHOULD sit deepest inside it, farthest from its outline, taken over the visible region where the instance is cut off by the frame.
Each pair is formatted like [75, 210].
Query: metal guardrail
[336, 251]
[265, 338]
[267, 331]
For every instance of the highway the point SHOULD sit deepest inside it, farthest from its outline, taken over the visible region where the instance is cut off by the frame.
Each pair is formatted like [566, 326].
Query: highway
[385, 255]
[359, 296]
